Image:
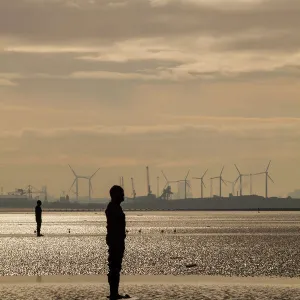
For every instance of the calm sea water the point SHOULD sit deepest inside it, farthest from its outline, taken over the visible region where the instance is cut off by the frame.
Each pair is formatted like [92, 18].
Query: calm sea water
[206, 243]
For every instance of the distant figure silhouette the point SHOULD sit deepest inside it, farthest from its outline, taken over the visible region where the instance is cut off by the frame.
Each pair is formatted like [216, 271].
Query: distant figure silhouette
[38, 217]
[115, 239]
[162, 231]
[175, 230]
[140, 231]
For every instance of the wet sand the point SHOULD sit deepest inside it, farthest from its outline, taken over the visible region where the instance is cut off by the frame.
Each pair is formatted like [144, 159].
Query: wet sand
[149, 287]
[159, 254]
[217, 243]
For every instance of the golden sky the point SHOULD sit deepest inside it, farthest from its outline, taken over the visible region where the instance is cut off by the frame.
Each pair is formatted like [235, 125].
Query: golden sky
[173, 84]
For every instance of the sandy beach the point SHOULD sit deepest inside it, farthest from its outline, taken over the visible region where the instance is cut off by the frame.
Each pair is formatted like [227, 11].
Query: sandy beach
[149, 287]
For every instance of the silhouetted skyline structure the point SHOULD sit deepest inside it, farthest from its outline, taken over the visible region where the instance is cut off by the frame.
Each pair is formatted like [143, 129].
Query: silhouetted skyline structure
[22, 197]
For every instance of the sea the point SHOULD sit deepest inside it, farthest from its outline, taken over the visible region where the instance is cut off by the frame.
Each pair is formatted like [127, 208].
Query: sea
[243, 244]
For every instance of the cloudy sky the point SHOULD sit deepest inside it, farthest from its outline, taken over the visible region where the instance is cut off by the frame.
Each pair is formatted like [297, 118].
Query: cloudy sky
[173, 84]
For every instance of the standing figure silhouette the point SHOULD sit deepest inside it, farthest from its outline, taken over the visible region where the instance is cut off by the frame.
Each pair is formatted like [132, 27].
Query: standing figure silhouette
[38, 217]
[115, 239]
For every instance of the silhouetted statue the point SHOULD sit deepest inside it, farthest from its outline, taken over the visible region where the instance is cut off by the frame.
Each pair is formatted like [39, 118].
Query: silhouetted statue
[115, 239]
[38, 217]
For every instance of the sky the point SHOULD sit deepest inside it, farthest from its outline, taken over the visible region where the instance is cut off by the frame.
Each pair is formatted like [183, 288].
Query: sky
[174, 84]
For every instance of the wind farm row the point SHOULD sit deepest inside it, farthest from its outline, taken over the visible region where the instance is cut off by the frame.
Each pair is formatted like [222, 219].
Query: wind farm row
[167, 193]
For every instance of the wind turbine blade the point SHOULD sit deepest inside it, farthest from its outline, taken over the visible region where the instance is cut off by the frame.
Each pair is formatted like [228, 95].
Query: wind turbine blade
[237, 169]
[91, 187]
[187, 174]
[227, 181]
[72, 171]
[268, 166]
[197, 178]
[188, 184]
[224, 181]
[259, 173]
[222, 171]
[204, 185]
[72, 184]
[271, 179]
[164, 175]
[204, 173]
[94, 174]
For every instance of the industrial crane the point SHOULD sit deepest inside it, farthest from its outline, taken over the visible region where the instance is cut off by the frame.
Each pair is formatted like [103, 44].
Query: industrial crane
[133, 189]
[148, 182]
[30, 191]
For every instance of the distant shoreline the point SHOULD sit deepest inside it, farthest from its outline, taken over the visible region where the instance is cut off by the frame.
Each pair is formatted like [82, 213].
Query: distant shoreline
[68, 210]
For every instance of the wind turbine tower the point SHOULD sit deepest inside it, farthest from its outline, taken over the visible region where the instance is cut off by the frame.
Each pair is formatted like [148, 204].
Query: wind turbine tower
[202, 183]
[220, 181]
[122, 182]
[240, 177]
[90, 184]
[76, 183]
[251, 184]
[268, 177]
[186, 183]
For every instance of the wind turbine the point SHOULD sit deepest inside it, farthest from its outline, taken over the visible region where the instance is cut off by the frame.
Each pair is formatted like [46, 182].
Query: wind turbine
[185, 183]
[202, 182]
[233, 183]
[251, 183]
[167, 180]
[90, 184]
[240, 177]
[268, 177]
[221, 180]
[89, 178]
[74, 182]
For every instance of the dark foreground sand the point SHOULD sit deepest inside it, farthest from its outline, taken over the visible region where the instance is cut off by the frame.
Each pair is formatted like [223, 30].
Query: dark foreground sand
[152, 287]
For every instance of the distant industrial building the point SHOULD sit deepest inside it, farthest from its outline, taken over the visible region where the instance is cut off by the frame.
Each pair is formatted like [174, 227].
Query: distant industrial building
[295, 194]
